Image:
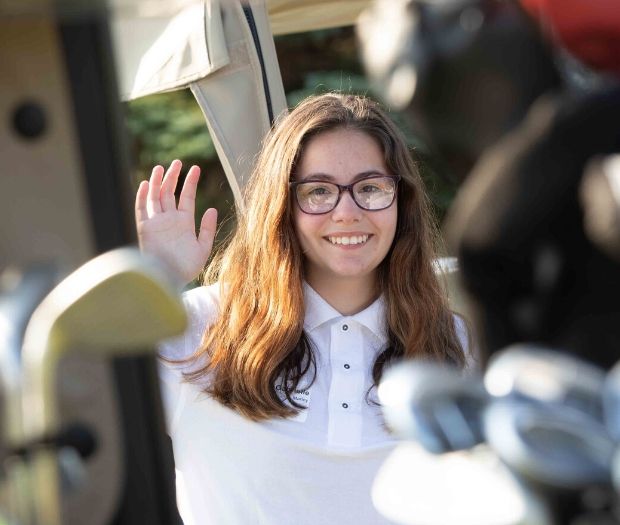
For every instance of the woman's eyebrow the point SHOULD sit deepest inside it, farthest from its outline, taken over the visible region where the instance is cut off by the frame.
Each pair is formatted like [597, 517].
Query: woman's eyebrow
[330, 178]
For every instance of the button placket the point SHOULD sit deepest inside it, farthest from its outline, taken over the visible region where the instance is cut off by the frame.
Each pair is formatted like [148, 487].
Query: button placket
[345, 328]
[346, 389]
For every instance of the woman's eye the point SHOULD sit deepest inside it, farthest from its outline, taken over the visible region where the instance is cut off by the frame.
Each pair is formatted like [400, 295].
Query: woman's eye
[369, 188]
[319, 191]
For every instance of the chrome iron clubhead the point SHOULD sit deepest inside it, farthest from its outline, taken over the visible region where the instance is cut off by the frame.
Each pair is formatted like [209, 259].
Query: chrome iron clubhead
[611, 405]
[538, 373]
[433, 405]
[445, 474]
[546, 422]
[120, 303]
[21, 290]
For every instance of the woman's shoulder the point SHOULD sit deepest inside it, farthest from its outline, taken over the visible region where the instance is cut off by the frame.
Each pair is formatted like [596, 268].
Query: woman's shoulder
[202, 308]
[202, 299]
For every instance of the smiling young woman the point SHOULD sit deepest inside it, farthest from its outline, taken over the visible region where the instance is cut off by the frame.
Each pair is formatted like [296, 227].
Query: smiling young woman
[328, 278]
[259, 335]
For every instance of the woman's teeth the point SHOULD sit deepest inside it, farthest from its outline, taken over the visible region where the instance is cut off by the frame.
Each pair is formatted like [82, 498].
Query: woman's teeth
[355, 239]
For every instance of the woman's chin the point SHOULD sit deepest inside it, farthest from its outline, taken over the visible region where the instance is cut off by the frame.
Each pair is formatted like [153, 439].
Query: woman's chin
[352, 273]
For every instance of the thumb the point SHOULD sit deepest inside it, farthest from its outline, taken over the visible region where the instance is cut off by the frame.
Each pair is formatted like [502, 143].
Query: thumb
[208, 227]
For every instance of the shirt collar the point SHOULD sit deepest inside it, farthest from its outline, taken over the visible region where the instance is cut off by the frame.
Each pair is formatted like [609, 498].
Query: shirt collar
[319, 311]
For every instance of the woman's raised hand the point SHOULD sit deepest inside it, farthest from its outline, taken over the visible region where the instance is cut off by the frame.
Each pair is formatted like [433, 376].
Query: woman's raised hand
[169, 231]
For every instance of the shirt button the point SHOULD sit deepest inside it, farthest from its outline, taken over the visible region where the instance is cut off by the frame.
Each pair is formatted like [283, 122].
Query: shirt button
[345, 327]
[347, 366]
[345, 405]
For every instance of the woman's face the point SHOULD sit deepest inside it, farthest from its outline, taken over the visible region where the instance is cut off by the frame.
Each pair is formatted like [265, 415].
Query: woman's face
[347, 242]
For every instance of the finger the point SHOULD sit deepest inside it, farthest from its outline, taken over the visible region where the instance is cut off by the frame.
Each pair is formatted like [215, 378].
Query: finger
[208, 227]
[141, 194]
[187, 199]
[166, 197]
[152, 202]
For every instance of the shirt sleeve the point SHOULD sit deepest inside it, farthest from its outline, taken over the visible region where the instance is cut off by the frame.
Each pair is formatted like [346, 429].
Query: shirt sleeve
[202, 307]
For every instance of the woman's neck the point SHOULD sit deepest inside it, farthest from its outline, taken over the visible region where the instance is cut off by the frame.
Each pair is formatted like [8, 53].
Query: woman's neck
[347, 295]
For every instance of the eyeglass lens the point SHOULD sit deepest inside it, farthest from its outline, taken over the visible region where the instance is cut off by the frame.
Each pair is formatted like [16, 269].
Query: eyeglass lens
[373, 194]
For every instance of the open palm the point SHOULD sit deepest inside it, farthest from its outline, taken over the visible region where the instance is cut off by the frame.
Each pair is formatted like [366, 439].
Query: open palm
[168, 231]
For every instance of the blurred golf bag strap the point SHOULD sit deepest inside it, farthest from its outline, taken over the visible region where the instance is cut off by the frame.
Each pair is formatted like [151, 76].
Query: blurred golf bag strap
[65, 199]
[224, 52]
[535, 270]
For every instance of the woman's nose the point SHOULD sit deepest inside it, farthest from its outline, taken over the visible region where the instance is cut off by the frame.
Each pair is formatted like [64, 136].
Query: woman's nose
[346, 210]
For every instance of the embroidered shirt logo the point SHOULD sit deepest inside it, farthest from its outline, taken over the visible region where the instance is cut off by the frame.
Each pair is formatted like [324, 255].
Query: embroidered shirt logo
[300, 396]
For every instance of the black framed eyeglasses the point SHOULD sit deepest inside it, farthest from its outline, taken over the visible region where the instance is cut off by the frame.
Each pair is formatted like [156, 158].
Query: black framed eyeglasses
[372, 193]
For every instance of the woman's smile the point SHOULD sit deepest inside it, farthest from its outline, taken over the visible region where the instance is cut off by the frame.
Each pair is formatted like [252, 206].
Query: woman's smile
[348, 240]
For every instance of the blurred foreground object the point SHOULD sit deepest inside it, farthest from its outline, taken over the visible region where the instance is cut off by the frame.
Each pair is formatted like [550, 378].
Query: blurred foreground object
[66, 197]
[543, 453]
[534, 226]
[465, 70]
[519, 226]
[589, 30]
[433, 405]
[120, 303]
[547, 421]
[415, 487]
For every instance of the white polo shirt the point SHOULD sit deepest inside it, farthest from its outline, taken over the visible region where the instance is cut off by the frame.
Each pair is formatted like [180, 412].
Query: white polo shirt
[316, 468]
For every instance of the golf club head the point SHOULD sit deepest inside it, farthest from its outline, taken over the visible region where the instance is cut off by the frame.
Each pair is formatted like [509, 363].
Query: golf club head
[433, 405]
[528, 371]
[119, 303]
[611, 404]
[547, 420]
[21, 290]
[20, 293]
[555, 448]
[115, 303]
[468, 487]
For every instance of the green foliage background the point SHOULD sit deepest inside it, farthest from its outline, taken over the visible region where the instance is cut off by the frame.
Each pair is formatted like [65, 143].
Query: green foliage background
[171, 126]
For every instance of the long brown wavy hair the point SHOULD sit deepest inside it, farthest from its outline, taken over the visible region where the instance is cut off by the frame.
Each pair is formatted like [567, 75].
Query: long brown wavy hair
[258, 339]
